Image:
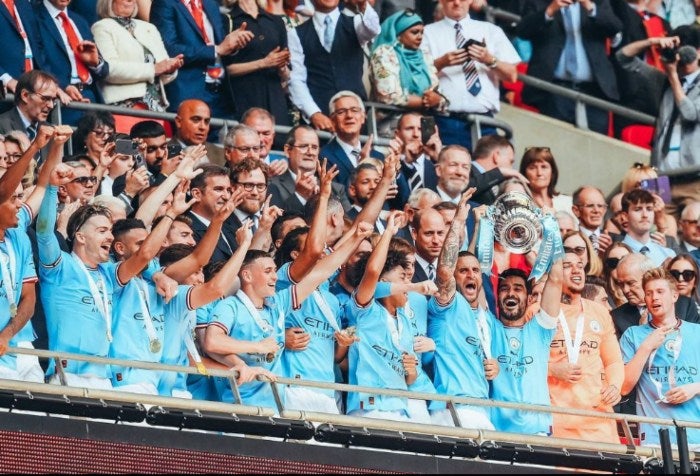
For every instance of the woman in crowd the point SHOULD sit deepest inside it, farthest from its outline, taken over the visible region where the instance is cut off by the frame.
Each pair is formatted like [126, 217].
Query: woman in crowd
[540, 168]
[402, 74]
[684, 270]
[16, 143]
[139, 65]
[634, 178]
[258, 73]
[95, 131]
[611, 258]
[576, 242]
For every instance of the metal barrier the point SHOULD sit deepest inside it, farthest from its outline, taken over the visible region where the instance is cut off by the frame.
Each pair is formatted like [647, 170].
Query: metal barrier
[240, 407]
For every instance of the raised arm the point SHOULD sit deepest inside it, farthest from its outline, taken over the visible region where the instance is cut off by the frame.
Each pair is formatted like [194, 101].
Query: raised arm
[13, 175]
[551, 294]
[47, 244]
[365, 290]
[61, 134]
[330, 263]
[316, 240]
[262, 239]
[219, 284]
[447, 261]
[201, 255]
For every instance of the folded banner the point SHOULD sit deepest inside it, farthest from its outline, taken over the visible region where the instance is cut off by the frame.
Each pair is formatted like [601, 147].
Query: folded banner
[550, 248]
[484, 244]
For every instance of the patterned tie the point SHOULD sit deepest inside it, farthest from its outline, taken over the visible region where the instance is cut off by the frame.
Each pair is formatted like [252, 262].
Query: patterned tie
[431, 272]
[644, 250]
[356, 155]
[31, 131]
[327, 33]
[253, 223]
[594, 240]
[570, 60]
[414, 179]
[471, 75]
[196, 10]
[73, 41]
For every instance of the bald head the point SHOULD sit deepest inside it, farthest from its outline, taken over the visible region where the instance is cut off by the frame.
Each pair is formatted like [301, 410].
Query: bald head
[192, 121]
[629, 271]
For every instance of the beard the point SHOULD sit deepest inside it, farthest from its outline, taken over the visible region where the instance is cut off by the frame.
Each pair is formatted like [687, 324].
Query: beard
[508, 312]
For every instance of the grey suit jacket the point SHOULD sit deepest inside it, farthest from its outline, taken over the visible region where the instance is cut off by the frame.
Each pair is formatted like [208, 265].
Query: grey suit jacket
[282, 190]
[687, 113]
[10, 121]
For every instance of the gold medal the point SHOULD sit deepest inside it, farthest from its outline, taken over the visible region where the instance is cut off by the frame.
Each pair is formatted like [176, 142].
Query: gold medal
[155, 346]
[270, 357]
[13, 310]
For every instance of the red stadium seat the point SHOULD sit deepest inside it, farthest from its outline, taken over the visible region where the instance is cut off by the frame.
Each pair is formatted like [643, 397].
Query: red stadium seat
[124, 123]
[517, 88]
[639, 135]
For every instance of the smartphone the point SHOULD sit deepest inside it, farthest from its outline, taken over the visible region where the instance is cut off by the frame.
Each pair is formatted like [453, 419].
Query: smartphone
[427, 128]
[125, 147]
[472, 41]
[660, 186]
[139, 161]
[174, 149]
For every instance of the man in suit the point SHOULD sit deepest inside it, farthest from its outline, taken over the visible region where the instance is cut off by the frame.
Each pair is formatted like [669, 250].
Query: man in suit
[264, 122]
[428, 231]
[293, 189]
[241, 142]
[569, 48]
[71, 55]
[492, 163]
[212, 189]
[589, 207]
[36, 94]
[345, 150]
[195, 29]
[192, 128]
[417, 159]
[362, 183]
[690, 233]
[22, 49]
[327, 57]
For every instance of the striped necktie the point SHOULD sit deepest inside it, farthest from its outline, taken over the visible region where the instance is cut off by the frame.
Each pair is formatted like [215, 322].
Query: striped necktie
[471, 75]
[414, 179]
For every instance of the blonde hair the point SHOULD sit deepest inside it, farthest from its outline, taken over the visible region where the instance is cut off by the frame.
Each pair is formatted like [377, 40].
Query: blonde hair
[636, 174]
[656, 274]
[595, 264]
[104, 9]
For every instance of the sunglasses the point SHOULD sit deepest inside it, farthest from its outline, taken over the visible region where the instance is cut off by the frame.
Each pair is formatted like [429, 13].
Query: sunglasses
[579, 250]
[611, 263]
[687, 274]
[85, 180]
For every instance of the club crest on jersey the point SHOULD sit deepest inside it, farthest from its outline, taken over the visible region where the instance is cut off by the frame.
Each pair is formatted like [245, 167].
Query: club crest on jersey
[514, 343]
[595, 326]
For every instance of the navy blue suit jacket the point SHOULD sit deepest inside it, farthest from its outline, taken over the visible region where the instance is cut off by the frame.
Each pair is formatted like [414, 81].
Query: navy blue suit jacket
[337, 156]
[57, 61]
[181, 35]
[12, 57]
[430, 178]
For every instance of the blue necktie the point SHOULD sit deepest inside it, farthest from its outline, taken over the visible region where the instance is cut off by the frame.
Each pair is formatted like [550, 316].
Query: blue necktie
[328, 33]
[570, 60]
[471, 75]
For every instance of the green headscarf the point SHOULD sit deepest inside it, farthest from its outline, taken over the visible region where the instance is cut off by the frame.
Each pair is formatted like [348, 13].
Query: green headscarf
[414, 73]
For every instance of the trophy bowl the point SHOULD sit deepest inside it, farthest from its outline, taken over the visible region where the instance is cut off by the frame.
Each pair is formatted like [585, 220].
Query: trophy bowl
[517, 222]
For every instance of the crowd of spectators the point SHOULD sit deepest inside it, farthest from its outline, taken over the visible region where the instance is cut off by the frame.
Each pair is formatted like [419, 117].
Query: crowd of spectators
[336, 261]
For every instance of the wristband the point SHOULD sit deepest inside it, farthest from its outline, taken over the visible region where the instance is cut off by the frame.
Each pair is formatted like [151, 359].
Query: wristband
[168, 216]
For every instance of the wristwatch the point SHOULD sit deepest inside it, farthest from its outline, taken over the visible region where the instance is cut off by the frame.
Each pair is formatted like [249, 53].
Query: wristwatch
[493, 63]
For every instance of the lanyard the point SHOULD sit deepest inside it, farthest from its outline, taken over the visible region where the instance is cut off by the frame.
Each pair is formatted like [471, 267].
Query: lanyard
[395, 327]
[264, 326]
[325, 309]
[7, 265]
[573, 347]
[154, 343]
[99, 295]
[190, 345]
[484, 333]
[672, 368]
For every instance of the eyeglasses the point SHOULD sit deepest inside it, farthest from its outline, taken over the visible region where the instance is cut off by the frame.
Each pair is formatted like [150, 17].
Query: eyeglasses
[84, 181]
[537, 148]
[687, 222]
[246, 150]
[611, 263]
[347, 110]
[102, 132]
[249, 186]
[594, 206]
[306, 147]
[579, 250]
[47, 99]
[12, 158]
[687, 274]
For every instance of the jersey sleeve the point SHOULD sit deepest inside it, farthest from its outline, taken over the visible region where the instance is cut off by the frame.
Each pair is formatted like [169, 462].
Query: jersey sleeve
[223, 316]
[627, 345]
[47, 243]
[179, 305]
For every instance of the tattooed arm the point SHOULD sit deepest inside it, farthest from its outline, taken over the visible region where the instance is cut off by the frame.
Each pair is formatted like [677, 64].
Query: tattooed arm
[447, 261]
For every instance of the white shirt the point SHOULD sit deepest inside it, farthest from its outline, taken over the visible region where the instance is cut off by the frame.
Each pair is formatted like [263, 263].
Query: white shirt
[424, 264]
[440, 38]
[366, 27]
[445, 197]
[54, 12]
[347, 148]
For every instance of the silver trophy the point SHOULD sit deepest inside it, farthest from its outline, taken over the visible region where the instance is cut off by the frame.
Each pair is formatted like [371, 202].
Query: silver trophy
[517, 222]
